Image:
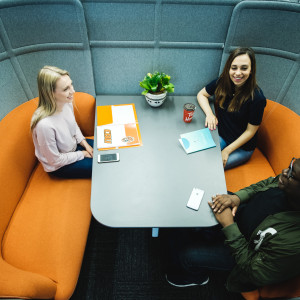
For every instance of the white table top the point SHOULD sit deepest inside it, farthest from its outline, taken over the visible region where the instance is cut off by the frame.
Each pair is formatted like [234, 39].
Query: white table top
[151, 184]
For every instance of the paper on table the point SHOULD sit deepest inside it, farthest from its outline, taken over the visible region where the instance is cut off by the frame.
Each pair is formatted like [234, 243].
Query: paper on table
[117, 127]
[197, 140]
[117, 135]
[123, 114]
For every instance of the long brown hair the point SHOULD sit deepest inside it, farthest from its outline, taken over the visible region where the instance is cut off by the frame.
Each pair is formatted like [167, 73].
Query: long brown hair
[46, 80]
[225, 86]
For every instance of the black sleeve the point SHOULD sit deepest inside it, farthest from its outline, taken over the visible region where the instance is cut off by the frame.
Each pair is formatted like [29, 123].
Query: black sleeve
[211, 87]
[257, 108]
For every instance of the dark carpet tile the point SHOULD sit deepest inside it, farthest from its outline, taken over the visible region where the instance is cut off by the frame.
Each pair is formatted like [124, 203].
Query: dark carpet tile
[128, 264]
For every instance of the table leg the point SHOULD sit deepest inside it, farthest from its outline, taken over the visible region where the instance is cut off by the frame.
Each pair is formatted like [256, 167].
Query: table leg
[155, 232]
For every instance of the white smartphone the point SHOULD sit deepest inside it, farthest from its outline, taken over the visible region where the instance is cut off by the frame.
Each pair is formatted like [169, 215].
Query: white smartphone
[195, 199]
[104, 158]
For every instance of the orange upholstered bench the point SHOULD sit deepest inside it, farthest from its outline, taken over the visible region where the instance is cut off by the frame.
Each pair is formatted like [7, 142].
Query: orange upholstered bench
[44, 221]
[278, 143]
[284, 290]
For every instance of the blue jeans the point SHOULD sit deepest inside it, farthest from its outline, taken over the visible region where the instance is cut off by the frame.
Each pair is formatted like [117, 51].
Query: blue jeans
[195, 252]
[237, 157]
[79, 169]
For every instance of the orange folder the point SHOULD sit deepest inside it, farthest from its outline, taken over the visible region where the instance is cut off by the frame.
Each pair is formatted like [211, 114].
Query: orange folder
[117, 127]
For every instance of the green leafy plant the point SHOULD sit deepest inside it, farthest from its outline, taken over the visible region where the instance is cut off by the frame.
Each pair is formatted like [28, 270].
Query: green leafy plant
[156, 83]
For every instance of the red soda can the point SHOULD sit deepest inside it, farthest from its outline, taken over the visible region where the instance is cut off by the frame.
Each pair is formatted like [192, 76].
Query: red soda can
[188, 112]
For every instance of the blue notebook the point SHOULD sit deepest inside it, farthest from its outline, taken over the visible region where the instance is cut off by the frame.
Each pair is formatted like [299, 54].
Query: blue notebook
[197, 140]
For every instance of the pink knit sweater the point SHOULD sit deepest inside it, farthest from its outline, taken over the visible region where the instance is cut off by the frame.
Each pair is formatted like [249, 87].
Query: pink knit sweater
[55, 139]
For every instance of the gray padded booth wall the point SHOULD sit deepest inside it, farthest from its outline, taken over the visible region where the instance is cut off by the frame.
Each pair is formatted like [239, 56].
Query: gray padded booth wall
[38, 33]
[109, 46]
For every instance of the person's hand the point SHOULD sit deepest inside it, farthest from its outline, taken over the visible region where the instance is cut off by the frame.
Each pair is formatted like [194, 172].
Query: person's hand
[211, 122]
[87, 154]
[225, 218]
[89, 149]
[221, 202]
[225, 154]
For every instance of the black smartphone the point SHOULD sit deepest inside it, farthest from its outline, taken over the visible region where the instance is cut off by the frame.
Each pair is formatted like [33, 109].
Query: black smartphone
[104, 158]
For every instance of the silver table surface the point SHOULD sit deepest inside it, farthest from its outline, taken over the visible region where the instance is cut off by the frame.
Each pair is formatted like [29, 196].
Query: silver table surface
[151, 184]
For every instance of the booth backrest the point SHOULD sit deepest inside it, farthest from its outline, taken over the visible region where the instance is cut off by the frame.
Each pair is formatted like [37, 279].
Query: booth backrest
[17, 159]
[84, 110]
[278, 135]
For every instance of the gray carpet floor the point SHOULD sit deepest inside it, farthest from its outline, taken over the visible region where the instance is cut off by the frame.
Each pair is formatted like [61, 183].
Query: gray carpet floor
[128, 264]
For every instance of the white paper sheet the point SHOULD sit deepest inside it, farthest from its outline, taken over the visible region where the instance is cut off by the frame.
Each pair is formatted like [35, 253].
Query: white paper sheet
[123, 114]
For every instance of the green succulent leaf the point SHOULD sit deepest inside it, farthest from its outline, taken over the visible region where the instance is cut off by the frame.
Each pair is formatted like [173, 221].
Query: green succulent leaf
[145, 85]
[154, 89]
[156, 82]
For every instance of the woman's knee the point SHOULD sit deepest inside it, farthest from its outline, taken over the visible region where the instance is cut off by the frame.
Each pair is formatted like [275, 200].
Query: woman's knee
[79, 169]
[237, 158]
[223, 143]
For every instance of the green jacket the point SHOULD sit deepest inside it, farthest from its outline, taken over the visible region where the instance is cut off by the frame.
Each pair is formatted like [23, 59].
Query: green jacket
[273, 253]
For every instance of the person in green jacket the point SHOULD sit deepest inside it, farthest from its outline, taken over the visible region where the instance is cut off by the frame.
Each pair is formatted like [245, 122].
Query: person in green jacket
[259, 240]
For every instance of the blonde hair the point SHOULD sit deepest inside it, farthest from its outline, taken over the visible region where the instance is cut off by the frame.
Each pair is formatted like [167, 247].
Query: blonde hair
[46, 80]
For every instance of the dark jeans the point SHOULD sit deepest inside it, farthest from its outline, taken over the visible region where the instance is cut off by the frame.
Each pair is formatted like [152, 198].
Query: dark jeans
[79, 169]
[195, 252]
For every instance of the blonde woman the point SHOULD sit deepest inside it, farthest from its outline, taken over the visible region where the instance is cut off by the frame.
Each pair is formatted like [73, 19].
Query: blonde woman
[239, 105]
[59, 144]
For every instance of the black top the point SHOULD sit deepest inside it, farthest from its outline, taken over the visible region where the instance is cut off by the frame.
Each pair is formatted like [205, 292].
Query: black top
[249, 215]
[233, 124]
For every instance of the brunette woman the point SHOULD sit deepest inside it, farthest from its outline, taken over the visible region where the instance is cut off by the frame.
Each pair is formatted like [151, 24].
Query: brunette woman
[239, 106]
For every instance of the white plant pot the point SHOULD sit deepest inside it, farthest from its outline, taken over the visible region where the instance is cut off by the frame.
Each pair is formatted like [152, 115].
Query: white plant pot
[156, 100]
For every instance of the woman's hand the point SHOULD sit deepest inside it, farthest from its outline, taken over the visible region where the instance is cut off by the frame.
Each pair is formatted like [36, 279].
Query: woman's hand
[221, 202]
[211, 122]
[225, 154]
[240, 141]
[87, 154]
[88, 149]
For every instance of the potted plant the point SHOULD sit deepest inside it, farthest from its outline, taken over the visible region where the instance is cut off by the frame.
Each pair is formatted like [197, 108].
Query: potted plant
[156, 86]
